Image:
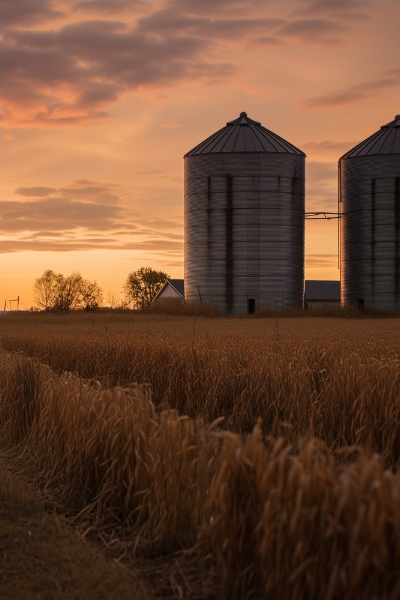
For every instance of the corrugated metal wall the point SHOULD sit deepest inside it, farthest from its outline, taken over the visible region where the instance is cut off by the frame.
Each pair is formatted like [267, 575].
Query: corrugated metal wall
[370, 231]
[244, 230]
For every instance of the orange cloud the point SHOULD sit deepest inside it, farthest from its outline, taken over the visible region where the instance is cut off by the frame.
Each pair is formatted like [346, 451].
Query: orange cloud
[28, 12]
[315, 32]
[70, 75]
[350, 9]
[321, 260]
[97, 51]
[111, 7]
[164, 246]
[84, 215]
[355, 93]
[321, 186]
[328, 147]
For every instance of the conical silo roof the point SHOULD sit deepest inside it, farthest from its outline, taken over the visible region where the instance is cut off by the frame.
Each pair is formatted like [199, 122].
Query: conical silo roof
[384, 141]
[244, 135]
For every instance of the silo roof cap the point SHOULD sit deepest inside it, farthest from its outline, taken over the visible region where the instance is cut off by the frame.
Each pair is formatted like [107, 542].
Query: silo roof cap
[384, 141]
[243, 119]
[244, 135]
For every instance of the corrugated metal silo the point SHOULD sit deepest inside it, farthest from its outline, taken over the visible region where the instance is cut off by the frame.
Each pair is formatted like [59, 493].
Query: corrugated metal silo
[244, 220]
[369, 180]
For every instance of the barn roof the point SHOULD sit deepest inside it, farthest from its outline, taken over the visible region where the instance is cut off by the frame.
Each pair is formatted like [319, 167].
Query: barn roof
[177, 284]
[322, 290]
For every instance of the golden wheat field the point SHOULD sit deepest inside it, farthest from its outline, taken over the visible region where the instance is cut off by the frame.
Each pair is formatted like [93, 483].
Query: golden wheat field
[264, 452]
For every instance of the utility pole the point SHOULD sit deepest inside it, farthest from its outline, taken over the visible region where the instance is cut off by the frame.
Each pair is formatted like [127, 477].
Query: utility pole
[328, 216]
[16, 300]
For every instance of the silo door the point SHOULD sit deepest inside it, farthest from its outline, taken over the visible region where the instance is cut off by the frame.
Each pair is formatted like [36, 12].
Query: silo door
[251, 306]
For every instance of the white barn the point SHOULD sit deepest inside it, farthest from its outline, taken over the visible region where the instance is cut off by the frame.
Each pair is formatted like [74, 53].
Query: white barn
[317, 293]
[173, 289]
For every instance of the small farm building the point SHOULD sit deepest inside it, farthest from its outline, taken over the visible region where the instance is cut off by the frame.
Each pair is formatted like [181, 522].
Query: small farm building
[173, 289]
[318, 294]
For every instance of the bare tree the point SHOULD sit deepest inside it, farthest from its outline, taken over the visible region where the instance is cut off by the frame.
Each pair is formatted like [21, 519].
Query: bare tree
[70, 292]
[142, 286]
[91, 294]
[53, 291]
[114, 301]
[46, 289]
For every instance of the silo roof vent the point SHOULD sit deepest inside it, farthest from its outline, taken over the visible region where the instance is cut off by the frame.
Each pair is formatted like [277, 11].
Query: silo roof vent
[244, 135]
[384, 141]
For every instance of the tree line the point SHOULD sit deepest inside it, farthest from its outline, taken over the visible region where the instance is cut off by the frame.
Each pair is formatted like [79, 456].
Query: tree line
[56, 292]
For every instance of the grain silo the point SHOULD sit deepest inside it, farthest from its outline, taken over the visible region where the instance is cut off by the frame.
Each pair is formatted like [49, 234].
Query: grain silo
[369, 181]
[244, 220]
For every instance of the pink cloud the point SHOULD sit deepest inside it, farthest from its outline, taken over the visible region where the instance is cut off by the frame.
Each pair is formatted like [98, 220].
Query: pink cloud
[355, 93]
[111, 7]
[350, 9]
[328, 146]
[28, 12]
[315, 32]
[72, 73]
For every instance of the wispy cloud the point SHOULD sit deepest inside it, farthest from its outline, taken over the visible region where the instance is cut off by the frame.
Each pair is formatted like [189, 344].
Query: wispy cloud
[159, 246]
[70, 75]
[321, 260]
[58, 212]
[173, 20]
[321, 185]
[350, 9]
[266, 40]
[328, 147]
[111, 7]
[35, 192]
[28, 12]
[321, 172]
[315, 32]
[355, 93]
[84, 215]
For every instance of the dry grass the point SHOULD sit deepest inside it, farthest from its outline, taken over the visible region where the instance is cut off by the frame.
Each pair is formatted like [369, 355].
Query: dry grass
[299, 525]
[43, 558]
[110, 450]
[267, 512]
[180, 308]
[338, 380]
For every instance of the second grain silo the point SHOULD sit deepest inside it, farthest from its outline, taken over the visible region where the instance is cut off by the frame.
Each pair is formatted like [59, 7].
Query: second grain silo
[244, 220]
[369, 180]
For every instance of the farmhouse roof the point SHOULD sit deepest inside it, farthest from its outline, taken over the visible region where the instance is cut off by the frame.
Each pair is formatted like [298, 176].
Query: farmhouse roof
[177, 284]
[322, 290]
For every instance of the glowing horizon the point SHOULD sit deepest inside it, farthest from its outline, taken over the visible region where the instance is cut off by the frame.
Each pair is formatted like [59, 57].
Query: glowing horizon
[102, 98]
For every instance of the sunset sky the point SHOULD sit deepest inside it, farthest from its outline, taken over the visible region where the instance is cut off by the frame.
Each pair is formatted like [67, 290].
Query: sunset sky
[102, 98]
